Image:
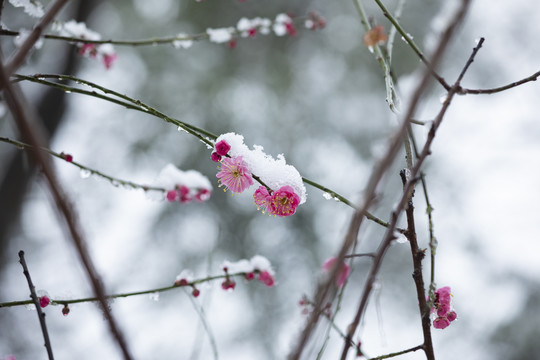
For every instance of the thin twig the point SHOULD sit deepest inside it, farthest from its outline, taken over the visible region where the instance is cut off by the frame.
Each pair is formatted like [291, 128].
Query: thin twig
[202, 317]
[35, 300]
[126, 294]
[533, 77]
[15, 101]
[394, 354]
[412, 45]
[432, 238]
[115, 181]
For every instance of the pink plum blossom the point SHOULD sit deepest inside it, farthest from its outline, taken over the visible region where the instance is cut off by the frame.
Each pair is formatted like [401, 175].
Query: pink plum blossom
[234, 174]
[266, 278]
[262, 198]
[343, 272]
[443, 309]
[44, 301]
[215, 157]
[284, 201]
[222, 148]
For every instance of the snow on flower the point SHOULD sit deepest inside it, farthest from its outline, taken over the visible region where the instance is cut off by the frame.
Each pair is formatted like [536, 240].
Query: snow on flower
[442, 308]
[184, 278]
[257, 264]
[286, 190]
[235, 174]
[343, 272]
[43, 298]
[32, 7]
[182, 186]
[250, 27]
[283, 25]
[183, 42]
[221, 35]
[104, 52]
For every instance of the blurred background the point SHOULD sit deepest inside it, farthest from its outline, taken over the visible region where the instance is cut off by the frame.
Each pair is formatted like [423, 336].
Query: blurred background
[319, 99]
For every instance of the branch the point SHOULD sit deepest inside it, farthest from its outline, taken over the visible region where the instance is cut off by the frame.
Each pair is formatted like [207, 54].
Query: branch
[387, 356]
[412, 45]
[114, 181]
[35, 301]
[533, 77]
[323, 290]
[130, 103]
[417, 257]
[17, 59]
[15, 102]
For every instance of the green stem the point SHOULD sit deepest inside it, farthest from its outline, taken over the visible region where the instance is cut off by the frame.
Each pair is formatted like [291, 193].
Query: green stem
[62, 156]
[411, 43]
[394, 354]
[130, 103]
[122, 295]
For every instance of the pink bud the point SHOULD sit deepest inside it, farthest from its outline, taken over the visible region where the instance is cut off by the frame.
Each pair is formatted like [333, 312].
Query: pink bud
[222, 148]
[44, 301]
[215, 157]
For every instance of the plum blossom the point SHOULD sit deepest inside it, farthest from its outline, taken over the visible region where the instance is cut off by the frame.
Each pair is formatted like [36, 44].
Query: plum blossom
[234, 174]
[104, 52]
[442, 310]
[257, 265]
[43, 298]
[183, 186]
[343, 272]
[184, 278]
[283, 189]
[284, 25]
[222, 148]
[284, 201]
[375, 36]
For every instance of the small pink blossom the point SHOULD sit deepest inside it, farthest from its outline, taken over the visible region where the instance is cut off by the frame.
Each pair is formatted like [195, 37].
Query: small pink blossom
[215, 157]
[249, 276]
[109, 59]
[234, 174]
[88, 50]
[262, 198]
[266, 278]
[222, 148]
[343, 272]
[172, 195]
[443, 309]
[284, 201]
[195, 292]
[203, 195]
[228, 284]
[65, 310]
[44, 301]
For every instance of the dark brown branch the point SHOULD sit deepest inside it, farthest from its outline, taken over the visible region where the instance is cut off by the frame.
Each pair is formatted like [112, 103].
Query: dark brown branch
[15, 101]
[408, 188]
[533, 77]
[417, 257]
[35, 300]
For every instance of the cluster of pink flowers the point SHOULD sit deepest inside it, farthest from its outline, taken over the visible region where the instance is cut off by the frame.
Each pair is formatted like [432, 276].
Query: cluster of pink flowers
[283, 190]
[258, 266]
[103, 52]
[343, 272]
[442, 310]
[183, 186]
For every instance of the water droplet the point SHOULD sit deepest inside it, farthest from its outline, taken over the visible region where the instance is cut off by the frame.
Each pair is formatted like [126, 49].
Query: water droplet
[115, 183]
[85, 174]
[154, 296]
[30, 307]
[327, 196]
[68, 91]
[370, 48]
[477, 41]
[443, 98]
[181, 129]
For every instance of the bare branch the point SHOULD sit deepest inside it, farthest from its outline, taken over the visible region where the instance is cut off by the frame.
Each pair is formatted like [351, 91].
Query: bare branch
[35, 300]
